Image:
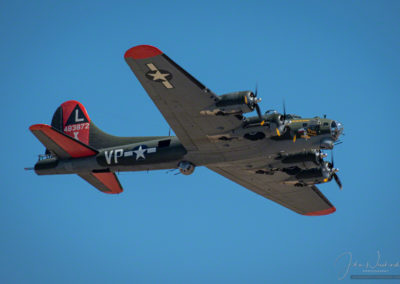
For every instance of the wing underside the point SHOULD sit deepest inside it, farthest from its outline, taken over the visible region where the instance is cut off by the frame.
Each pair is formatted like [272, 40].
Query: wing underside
[306, 200]
[180, 98]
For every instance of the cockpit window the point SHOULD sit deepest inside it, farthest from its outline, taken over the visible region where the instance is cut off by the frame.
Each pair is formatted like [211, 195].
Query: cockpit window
[293, 116]
[271, 111]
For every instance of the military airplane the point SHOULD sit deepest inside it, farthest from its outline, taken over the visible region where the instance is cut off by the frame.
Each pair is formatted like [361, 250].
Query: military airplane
[277, 155]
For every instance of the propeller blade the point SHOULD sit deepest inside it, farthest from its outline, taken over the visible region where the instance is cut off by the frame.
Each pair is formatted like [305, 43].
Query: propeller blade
[284, 110]
[337, 179]
[258, 111]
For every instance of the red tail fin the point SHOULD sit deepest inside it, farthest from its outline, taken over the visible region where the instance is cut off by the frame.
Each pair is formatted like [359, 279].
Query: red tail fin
[72, 119]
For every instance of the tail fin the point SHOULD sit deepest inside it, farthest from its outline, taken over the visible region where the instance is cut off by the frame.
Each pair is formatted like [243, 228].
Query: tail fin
[71, 118]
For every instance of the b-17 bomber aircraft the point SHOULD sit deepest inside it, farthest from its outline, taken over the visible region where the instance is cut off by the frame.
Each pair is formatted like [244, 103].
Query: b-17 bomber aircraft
[276, 155]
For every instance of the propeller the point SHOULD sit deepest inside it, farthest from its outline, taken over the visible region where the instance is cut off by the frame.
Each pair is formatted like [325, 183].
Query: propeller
[284, 111]
[338, 142]
[334, 171]
[259, 112]
[282, 122]
[255, 103]
[337, 179]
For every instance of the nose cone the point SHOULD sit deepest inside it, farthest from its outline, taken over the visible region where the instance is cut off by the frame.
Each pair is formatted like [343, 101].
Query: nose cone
[336, 129]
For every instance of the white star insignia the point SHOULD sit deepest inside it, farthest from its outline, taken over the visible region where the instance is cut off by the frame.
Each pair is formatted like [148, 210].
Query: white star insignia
[140, 153]
[159, 76]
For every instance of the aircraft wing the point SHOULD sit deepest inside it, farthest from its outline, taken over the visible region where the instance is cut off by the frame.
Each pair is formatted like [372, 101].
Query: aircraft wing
[307, 200]
[179, 97]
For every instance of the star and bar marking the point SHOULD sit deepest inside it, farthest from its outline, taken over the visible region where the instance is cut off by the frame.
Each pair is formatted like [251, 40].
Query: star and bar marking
[158, 75]
[140, 151]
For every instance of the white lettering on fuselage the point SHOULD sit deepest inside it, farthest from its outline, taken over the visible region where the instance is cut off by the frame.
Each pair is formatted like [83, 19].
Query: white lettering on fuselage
[118, 153]
[108, 155]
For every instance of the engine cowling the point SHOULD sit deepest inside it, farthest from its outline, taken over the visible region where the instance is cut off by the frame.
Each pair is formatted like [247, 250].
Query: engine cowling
[233, 103]
[316, 175]
[315, 157]
[186, 168]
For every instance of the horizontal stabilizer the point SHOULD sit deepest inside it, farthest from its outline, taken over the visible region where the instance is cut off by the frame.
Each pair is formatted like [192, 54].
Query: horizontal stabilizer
[62, 145]
[105, 182]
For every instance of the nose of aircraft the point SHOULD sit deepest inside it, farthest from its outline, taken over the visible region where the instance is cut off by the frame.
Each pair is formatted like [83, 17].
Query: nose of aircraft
[336, 129]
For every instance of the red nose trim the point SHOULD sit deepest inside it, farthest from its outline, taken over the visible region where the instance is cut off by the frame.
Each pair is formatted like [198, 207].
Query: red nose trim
[142, 52]
[322, 212]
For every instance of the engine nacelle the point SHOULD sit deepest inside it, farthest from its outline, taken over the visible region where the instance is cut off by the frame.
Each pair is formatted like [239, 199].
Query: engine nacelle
[313, 157]
[233, 103]
[315, 175]
[327, 143]
[186, 168]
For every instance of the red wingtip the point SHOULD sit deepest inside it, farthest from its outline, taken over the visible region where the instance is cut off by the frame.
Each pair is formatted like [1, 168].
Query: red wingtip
[142, 52]
[322, 212]
[38, 126]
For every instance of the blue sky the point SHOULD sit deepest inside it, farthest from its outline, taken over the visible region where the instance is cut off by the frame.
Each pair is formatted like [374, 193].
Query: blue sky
[340, 58]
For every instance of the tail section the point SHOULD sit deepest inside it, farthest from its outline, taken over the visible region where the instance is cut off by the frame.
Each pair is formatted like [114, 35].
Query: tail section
[73, 134]
[65, 147]
[72, 119]
[69, 137]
